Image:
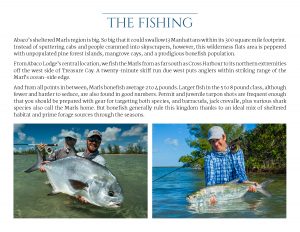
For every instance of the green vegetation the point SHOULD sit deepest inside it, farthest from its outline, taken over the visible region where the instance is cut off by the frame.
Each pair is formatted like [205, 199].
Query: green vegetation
[111, 149]
[134, 149]
[130, 149]
[29, 151]
[264, 147]
[115, 149]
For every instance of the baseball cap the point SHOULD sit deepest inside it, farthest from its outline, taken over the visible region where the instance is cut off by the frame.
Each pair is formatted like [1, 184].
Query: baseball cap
[94, 132]
[70, 134]
[215, 132]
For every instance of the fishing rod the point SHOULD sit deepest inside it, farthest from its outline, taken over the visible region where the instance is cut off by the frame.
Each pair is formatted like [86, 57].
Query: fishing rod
[46, 147]
[183, 166]
[35, 144]
[233, 146]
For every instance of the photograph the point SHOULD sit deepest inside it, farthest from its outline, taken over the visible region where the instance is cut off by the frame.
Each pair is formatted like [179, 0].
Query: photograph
[219, 171]
[80, 170]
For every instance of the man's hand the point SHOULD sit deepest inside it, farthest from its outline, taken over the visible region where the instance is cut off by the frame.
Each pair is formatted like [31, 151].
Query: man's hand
[213, 200]
[41, 146]
[252, 188]
[42, 168]
[81, 199]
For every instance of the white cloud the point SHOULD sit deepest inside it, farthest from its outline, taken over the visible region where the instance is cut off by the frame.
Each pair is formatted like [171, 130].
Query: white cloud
[31, 139]
[145, 138]
[60, 138]
[110, 134]
[54, 139]
[122, 148]
[134, 130]
[135, 144]
[86, 132]
[171, 141]
[64, 132]
[21, 135]
[18, 127]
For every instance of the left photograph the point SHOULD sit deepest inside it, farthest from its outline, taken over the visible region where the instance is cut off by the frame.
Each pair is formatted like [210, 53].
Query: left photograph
[80, 170]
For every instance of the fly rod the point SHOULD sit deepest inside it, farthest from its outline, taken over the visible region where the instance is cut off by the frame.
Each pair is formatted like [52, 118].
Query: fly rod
[35, 144]
[45, 147]
[183, 166]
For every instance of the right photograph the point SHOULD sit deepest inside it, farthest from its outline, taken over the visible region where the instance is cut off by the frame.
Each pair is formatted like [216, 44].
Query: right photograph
[219, 171]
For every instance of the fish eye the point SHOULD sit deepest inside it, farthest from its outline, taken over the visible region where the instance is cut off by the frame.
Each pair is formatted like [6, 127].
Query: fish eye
[111, 193]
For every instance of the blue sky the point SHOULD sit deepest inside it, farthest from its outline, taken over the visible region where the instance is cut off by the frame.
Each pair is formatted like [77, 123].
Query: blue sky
[169, 143]
[119, 134]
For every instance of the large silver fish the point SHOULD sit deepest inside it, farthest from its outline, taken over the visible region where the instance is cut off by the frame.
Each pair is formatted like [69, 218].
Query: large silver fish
[77, 176]
[224, 192]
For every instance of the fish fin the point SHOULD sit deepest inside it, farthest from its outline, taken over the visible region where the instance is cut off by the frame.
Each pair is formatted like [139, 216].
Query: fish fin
[262, 186]
[78, 185]
[264, 192]
[53, 193]
[265, 183]
[37, 164]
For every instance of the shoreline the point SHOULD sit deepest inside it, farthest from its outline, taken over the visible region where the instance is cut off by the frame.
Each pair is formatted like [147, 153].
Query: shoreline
[252, 171]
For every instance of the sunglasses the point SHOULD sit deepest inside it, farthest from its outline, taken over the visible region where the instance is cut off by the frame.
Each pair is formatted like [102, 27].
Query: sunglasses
[94, 140]
[69, 138]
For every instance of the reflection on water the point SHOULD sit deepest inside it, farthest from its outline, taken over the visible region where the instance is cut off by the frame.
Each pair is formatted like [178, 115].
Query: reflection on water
[31, 199]
[169, 195]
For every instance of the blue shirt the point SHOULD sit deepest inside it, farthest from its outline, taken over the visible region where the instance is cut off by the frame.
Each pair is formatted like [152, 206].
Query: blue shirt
[222, 167]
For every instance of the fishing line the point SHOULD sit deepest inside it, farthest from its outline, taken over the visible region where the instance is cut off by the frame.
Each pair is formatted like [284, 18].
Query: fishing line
[183, 166]
[168, 173]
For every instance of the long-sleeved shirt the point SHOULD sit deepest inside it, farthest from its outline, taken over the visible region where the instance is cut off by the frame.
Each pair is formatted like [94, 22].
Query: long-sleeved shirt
[62, 153]
[222, 167]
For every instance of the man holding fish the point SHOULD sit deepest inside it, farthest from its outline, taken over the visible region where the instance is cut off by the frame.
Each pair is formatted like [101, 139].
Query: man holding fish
[91, 152]
[67, 150]
[223, 164]
[93, 142]
[82, 175]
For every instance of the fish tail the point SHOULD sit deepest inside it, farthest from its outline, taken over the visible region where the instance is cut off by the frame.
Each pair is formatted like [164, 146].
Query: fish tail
[265, 183]
[261, 188]
[37, 164]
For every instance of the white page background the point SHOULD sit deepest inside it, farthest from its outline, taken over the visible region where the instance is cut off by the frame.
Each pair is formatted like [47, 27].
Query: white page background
[214, 18]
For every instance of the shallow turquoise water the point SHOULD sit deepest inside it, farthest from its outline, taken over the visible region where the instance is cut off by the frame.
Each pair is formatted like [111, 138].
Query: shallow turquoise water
[31, 199]
[169, 193]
